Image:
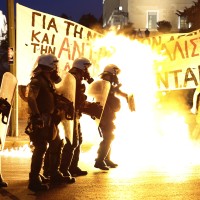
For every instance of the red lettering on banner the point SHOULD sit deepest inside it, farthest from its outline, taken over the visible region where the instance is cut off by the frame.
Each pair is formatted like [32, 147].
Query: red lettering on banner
[186, 49]
[65, 46]
[77, 49]
[74, 49]
[178, 48]
[195, 47]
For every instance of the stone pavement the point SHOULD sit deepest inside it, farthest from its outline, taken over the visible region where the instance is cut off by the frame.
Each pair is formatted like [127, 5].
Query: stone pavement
[122, 183]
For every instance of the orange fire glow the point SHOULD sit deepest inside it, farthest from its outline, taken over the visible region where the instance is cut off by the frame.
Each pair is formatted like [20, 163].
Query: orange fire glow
[149, 138]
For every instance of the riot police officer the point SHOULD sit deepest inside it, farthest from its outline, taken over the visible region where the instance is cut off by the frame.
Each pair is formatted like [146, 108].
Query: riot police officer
[107, 126]
[71, 152]
[42, 125]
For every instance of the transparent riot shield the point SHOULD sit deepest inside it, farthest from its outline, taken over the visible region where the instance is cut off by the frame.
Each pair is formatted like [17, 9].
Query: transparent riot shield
[67, 88]
[99, 90]
[7, 91]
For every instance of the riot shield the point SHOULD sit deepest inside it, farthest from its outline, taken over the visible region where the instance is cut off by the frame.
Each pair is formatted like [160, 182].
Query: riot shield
[67, 88]
[131, 102]
[7, 91]
[99, 90]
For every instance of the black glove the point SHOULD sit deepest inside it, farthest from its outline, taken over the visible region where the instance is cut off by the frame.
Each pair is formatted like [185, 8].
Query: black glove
[93, 109]
[37, 121]
[65, 105]
[4, 109]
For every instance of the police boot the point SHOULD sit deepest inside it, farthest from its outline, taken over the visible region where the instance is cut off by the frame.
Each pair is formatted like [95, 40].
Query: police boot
[56, 177]
[36, 184]
[66, 159]
[74, 169]
[2, 182]
[66, 162]
[110, 163]
[44, 179]
[101, 164]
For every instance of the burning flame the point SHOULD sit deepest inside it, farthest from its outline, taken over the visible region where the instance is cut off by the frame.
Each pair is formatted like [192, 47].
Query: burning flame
[24, 151]
[149, 138]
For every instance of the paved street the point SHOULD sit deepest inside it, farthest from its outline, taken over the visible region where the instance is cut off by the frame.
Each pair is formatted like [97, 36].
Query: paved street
[127, 182]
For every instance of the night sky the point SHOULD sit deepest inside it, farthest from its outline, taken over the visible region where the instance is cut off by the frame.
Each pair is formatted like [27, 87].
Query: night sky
[72, 8]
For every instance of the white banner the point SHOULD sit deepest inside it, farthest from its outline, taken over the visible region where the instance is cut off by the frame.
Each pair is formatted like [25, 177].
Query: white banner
[39, 33]
[181, 67]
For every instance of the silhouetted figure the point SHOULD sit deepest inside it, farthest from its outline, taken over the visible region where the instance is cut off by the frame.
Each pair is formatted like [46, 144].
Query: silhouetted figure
[107, 126]
[147, 32]
[139, 33]
[71, 151]
[43, 123]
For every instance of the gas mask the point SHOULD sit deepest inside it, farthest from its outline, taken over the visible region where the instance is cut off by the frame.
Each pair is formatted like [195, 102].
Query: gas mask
[87, 77]
[114, 80]
[55, 77]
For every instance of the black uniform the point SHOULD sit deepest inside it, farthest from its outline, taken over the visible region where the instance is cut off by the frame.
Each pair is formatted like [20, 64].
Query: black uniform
[71, 152]
[107, 126]
[42, 129]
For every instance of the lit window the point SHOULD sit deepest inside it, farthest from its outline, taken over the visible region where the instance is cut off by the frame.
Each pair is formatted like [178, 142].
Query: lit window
[152, 19]
[183, 23]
